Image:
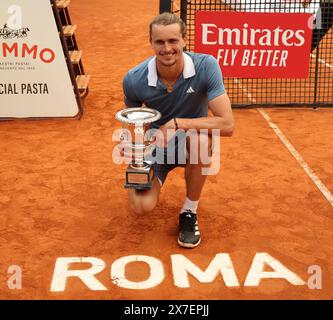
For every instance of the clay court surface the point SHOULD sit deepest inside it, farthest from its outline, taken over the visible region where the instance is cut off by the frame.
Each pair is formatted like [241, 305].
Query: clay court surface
[62, 196]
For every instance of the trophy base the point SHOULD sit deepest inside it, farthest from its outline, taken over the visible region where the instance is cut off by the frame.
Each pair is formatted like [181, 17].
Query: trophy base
[139, 178]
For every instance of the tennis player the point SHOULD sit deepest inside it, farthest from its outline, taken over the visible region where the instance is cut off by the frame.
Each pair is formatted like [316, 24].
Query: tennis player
[183, 86]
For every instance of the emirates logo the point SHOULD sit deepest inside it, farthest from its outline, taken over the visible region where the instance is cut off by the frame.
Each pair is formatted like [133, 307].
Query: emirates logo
[8, 33]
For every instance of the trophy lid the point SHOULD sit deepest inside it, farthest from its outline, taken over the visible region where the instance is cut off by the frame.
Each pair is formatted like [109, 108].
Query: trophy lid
[138, 115]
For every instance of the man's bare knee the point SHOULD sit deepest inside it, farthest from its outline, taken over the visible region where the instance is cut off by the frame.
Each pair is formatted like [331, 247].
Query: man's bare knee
[148, 204]
[142, 201]
[136, 206]
[143, 205]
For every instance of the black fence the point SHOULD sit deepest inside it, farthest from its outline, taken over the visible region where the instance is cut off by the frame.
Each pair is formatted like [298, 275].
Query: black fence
[316, 90]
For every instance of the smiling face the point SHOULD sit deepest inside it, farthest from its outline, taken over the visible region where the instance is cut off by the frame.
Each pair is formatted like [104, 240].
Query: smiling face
[168, 44]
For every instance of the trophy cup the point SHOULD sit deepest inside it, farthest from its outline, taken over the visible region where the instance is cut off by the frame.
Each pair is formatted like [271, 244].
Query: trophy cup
[137, 121]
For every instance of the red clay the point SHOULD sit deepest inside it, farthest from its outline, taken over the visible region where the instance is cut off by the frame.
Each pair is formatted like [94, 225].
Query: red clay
[62, 196]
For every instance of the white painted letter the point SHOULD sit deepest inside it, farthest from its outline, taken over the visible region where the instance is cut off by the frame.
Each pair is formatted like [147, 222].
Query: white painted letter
[61, 273]
[118, 272]
[257, 272]
[222, 263]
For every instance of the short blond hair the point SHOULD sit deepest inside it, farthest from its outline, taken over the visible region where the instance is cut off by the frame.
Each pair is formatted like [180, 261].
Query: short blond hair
[165, 19]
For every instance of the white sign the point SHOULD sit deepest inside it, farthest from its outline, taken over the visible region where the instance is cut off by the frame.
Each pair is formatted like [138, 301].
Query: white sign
[34, 78]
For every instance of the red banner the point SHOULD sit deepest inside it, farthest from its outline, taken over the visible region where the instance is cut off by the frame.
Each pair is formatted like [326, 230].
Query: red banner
[256, 45]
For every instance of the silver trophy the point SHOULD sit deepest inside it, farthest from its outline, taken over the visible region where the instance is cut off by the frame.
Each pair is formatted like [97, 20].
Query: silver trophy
[136, 123]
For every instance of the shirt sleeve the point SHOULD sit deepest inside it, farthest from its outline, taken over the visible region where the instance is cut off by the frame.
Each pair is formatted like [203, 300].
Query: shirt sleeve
[130, 99]
[215, 85]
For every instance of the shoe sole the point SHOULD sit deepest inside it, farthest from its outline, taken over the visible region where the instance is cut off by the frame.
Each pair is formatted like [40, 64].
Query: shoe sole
[188, 245]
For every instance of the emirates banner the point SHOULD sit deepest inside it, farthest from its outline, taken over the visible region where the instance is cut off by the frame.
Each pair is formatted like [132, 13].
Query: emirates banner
[34, 78]
[256, 45]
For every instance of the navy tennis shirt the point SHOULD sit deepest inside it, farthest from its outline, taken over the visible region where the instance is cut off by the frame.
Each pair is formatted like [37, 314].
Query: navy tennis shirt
[200, 82]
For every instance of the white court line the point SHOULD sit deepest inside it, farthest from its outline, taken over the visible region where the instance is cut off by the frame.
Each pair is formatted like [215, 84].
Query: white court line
[327, 194]
[322, 188]
[322, 61]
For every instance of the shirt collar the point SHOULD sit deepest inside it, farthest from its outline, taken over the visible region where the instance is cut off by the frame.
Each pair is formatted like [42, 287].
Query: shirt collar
[188, 71]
